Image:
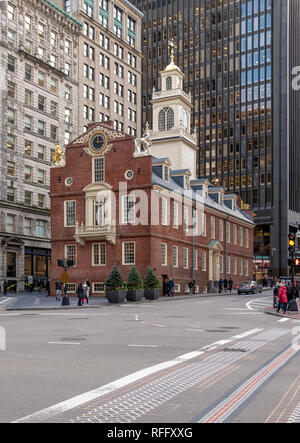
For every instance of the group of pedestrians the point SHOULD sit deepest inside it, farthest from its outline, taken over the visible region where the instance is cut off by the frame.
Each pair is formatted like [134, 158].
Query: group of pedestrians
[226, 285]
[168, 288]
[83, 293]
[283, 294]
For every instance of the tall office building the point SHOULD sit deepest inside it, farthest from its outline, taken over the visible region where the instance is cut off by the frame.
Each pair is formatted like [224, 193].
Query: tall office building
[38, 108]
[237, 57]
[110, 56]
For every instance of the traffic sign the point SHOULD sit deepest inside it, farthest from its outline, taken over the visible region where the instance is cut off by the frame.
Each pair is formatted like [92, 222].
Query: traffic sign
[65, 277]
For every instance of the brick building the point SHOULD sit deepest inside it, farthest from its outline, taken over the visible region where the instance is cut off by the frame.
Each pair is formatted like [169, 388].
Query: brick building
[114, 202]
[38, 107]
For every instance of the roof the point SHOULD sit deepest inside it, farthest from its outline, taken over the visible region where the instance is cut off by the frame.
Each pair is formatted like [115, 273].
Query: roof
[173, 186]
[63, 12]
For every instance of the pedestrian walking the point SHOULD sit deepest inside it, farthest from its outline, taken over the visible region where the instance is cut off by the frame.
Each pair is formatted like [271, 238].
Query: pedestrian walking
[191, 287]
[171, 285]
[225, 283]
[166, 288]
[275, 295]
[220, 284]
[5, 286]
[48, 288]
[230, 283]
[282, 300]
[58, 290]
[79, 293]
[85, 292]
[88, 290]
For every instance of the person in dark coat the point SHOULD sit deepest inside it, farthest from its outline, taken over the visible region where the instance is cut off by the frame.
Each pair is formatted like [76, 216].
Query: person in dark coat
[220, 284]
[225, 285]
[79, 293]
[275, 295]
[191, 287]
[5, 285]
[166, 288]
[171, 287]
[230, 283]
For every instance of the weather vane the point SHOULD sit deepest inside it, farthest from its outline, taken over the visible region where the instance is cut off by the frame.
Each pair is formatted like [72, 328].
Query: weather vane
[173, 47]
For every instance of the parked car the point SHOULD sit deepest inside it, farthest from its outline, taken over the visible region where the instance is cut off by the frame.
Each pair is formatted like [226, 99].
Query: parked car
[249, 287]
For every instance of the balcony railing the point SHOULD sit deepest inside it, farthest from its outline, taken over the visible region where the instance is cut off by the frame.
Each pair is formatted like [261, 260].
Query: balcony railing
[87, 233]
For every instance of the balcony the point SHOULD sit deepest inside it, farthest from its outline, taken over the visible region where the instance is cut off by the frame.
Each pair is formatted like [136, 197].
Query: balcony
[95, 233]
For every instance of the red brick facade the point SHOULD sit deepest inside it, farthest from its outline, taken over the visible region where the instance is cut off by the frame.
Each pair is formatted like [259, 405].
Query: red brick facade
[146, 239]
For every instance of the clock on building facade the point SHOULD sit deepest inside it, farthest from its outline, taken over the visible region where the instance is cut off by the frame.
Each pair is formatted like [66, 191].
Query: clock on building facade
[98, 142]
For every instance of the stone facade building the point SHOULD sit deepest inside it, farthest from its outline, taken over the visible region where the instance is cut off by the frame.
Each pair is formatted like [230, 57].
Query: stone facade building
[110, 56]
[39, 108]
[114, 202]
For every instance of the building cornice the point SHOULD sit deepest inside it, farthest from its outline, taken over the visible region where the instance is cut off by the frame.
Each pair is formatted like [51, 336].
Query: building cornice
[58, 14]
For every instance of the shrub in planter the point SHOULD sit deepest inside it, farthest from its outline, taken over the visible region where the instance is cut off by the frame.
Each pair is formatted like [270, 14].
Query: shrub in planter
[151, 285]
[134, 286]
[114, 287]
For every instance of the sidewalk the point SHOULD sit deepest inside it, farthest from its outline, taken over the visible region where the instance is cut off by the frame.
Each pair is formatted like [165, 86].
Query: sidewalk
[38, 302]
[35, 301]
[294, 315]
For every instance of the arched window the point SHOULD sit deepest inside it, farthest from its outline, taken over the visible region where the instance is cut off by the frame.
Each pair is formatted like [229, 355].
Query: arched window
[184, 118]
[169, 83]
[170, 119]
[162, 120]
[166, 119]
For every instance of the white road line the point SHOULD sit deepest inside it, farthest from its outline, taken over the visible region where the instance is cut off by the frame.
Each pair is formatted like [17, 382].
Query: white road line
[159, 325]
[7, 299]
[64, 406]
[283, 320]
[144, 346]
[195, 330]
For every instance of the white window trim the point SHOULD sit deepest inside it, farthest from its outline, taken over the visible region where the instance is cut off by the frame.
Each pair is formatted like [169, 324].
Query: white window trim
[98, 283]
[166, 254]
[186, 251]
[123, 253]
[66, 255]
[203, 262]
[123, 209]
[65, 213]
[93, 255]
[175, 248]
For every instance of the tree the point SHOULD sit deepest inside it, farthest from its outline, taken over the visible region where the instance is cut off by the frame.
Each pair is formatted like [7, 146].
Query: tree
[114, 281]
[134, 280]
[150, 280]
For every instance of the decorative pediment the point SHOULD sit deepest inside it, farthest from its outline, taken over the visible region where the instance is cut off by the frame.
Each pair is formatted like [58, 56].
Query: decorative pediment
[111, 135]
[13, 241]
[215, 245]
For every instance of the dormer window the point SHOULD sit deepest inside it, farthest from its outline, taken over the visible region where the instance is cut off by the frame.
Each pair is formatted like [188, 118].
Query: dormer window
[187, 182]
[169, 83]
[166, 119]
[166, 173]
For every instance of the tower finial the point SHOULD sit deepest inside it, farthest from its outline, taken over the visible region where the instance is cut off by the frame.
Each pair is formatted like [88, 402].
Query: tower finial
[173, 47]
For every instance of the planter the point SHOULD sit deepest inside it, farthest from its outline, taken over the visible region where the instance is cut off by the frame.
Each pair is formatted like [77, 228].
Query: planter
[134, 295]
[116, 296]
[152, 294]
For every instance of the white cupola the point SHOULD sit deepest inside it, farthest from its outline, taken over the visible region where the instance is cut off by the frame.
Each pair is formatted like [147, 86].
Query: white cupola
[171, 136]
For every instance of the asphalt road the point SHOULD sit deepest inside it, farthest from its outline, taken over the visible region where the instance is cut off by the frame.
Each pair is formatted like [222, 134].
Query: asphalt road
[196, 360]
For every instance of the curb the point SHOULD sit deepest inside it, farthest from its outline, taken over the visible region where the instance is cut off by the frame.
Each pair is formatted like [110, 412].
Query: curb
[161, 299]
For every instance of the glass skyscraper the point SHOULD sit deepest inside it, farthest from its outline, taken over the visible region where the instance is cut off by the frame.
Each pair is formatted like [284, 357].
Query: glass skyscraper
[237, 57]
